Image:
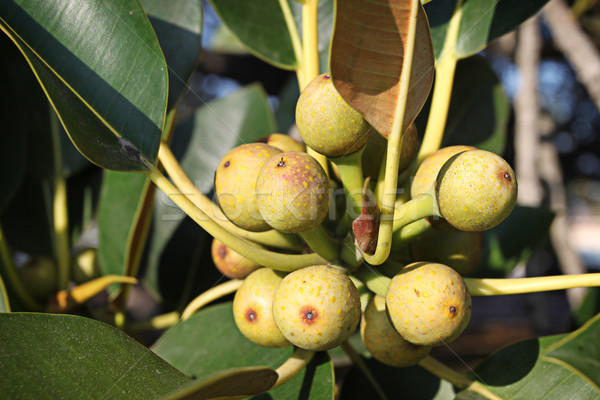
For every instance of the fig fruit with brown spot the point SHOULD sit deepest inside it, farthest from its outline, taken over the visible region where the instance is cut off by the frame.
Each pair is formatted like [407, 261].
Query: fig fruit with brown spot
[317, 308]
[292, 192]
[252, 308]
[327, 123]
[476, 190]
[428, 303]
[230, 263]
[235, 184]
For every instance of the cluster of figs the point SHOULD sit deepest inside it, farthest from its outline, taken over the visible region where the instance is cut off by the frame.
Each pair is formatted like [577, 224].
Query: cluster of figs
[276, 184]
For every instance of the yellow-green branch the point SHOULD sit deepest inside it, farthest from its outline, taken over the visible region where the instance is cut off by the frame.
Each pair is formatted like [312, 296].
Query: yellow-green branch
[293, 365]
[271, 238]
[442, 371]
[296, 43]
[442, 90]
[492, 287]
[270, 259]
[211, 295]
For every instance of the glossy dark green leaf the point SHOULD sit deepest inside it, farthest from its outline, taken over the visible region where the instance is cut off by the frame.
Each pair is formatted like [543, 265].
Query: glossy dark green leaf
[102, 68]
[261, 26]
[178, 26]
[482, 21]
[191, 346]
[479, 109]
[508, 243]
[203, 139]
[47, 356]
[580, 352]
[397, 383]
[519, 371]
[120, 211]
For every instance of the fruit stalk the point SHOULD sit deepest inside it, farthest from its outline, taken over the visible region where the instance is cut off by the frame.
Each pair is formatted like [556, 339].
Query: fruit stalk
[402, 236]
[209, 296]
[492, 287]
[271, 238]
[444, 372]
[442, 90]
[418, 208]
[293, 365]
[374, 281]
[321, 243]
[350, 168]
[270, 259]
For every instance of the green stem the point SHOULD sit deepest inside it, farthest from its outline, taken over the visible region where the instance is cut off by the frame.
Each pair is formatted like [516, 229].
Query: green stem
[270, 238]
[293, 365]
[349, 254]
[359, 362]
[60, 216]
[270, 259]
[350, 168]
[422, 206]
[310, 37]
[444, 372]
[211, 295]
[492, 287]
[388, 197]
[321, 243]
[376, 282]
[4, 295]
[442, 90]
[9, 272]
[403, 236]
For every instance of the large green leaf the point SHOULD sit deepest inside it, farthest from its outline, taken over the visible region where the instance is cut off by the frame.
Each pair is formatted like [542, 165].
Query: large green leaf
[482, 21]
[178, 26]
[261, 26]
[102, 68]
[192, 347]
[509, 243]
[519, 371]
[580, 352]
[479, 109]
[203, 139]
[368, 57]
[47, 356]
[122, 213]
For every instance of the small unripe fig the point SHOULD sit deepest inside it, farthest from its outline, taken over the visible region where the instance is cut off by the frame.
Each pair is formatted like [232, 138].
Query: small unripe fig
[292, 192]
[235, 184]
[430, 167]
[316, 308]
[476, 190]
[459, 250]
[374, 152]
[327, 123]
[383, 341]
[282, 142]
[428, 303]
[231, 264]
[253, 305]
[39, 276]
